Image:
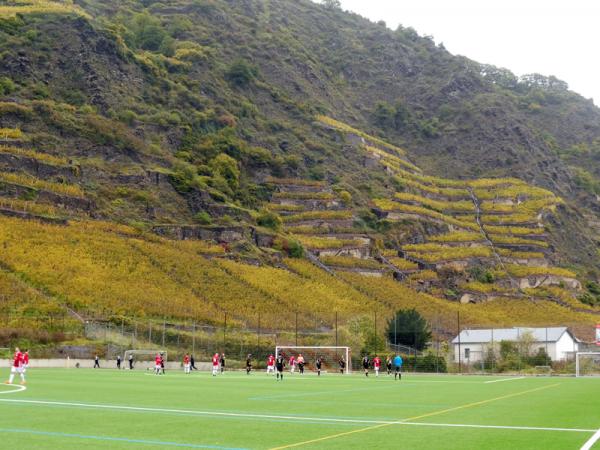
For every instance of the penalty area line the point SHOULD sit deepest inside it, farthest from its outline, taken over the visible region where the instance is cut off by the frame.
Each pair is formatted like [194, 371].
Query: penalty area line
[505, 379]
[590, 443]
[17, 389]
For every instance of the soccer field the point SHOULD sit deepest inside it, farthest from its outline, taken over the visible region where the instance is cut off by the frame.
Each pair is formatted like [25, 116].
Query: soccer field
[107, 409]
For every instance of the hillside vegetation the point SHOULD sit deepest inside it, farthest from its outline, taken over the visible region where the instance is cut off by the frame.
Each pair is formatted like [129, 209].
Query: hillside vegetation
[212, 161]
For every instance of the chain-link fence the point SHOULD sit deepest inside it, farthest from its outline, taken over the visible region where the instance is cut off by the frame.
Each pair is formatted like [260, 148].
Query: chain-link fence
[455, 345]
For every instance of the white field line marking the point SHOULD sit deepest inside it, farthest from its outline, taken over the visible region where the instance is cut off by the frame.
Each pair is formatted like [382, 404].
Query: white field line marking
[298, 418]
[297, 378]
[17, 389]
[590, 443]
[494, 427]
[504, 379]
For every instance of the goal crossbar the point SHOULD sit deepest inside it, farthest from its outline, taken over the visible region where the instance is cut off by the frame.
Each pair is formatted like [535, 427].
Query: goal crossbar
[345, 351]
[578, 356]
[145, 353]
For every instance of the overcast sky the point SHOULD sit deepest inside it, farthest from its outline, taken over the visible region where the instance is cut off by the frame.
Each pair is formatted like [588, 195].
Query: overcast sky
[551, 37]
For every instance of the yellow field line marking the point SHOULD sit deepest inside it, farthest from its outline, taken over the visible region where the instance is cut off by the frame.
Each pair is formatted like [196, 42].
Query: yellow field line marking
[434, 413]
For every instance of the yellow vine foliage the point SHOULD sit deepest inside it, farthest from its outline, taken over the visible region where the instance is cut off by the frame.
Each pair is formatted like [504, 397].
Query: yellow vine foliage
[348, 129]
[27, 180]
[10, 133]
[40, 7]
[43, 157]
[438, 205]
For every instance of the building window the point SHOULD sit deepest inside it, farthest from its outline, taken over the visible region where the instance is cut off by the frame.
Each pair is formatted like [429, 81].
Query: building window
[467, 353]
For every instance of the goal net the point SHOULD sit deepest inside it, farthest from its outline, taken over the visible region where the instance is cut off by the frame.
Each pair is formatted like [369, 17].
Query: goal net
[144, 358]
[587, 364]
[331, 357]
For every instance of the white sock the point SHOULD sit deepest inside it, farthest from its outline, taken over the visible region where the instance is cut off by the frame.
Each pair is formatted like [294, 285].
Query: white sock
[11, 378]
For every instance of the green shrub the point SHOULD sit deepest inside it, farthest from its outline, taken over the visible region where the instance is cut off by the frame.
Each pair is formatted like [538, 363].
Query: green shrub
[203, 218]
[291, 247]
[241, 73]
[345, 197]
[269, 219]
[227, 167]
[7, 86]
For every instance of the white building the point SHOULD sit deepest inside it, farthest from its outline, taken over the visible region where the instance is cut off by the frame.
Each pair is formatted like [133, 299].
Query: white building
[558, 342]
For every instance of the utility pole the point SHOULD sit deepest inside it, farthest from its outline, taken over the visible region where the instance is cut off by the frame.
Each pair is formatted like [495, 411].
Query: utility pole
[296, 328]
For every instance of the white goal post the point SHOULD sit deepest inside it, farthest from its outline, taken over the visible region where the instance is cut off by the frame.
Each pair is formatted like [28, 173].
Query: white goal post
[587, 364]
[330, 355]
[143, 356]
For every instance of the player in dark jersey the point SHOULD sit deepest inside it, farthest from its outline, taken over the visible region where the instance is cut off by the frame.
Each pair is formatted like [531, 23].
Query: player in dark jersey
[319, 364]
[248, 364]
[301, 363]
[162, 363]
[342, 363]
[366, 363]
[279, 365]
[222, 362]
[388, 363]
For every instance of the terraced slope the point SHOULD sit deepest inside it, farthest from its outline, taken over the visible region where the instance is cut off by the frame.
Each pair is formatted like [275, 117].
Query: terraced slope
[491, 229]
[322, 221]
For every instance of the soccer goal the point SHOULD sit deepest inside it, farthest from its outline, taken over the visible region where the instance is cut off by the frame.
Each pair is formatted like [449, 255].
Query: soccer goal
[587, 364]
[145, 357]
[330, 356]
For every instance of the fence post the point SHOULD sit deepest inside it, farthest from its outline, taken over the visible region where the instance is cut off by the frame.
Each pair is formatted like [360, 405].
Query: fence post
[336, 329]
[258, 335]
[459, 350]
[164, 331]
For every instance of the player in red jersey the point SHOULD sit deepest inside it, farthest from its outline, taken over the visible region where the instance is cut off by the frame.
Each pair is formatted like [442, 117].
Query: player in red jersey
[271, 364]
[215, 364]
[25, 360]
[17, 367]
[377, 365]
[186, 363]
[292, 364]
[157, 361]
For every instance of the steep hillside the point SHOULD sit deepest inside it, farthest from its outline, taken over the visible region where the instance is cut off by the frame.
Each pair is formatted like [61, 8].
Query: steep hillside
[198, 158]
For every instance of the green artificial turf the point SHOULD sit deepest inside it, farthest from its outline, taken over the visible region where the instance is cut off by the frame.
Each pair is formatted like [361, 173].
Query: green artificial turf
[107, 409]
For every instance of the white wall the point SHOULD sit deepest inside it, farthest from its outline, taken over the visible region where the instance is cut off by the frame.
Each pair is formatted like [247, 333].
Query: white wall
[564, 345]
[476, 354]
[557, 351]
